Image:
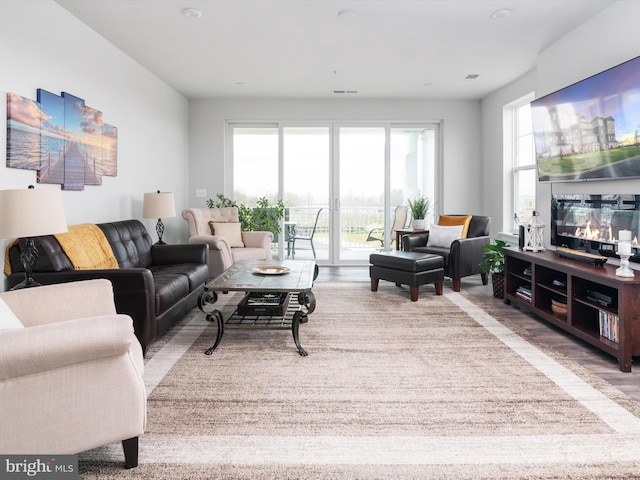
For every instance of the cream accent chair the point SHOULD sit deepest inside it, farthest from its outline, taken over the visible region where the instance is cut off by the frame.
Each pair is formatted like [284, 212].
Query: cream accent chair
[71, 380]
[257, 245]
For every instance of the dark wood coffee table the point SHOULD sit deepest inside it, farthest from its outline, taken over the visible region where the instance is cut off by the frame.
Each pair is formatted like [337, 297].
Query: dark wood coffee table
[292, 279]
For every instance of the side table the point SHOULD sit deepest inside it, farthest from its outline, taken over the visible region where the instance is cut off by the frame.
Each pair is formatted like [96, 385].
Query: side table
[401, 232]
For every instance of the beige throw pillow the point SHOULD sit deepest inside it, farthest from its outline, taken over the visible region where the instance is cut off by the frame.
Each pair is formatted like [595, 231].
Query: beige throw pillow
[230, 231]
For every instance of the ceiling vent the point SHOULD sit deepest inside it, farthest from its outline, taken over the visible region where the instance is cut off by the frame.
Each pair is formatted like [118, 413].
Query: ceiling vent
[345, 92]
[471, 76]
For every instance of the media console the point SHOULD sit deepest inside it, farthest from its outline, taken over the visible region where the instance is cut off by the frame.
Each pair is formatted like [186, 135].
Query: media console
[601, 308]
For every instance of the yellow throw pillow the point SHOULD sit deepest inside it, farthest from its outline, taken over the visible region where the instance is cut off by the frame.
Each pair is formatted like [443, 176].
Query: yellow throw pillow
[230, 231]
[453, 220]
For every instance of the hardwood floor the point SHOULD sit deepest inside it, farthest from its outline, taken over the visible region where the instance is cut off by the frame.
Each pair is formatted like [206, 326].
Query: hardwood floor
[599, 363]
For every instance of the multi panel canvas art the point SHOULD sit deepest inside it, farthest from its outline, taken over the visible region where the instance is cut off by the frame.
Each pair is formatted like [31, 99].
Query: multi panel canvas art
[62, 139]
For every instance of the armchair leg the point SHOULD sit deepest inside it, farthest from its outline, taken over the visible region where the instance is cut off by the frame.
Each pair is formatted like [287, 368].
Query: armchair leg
[456, 284]
[485, 279]
[130, 447]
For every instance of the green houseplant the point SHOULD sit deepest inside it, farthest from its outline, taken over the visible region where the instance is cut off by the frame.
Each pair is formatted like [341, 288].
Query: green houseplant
[420, 208]
[493, 262]
[264, 216]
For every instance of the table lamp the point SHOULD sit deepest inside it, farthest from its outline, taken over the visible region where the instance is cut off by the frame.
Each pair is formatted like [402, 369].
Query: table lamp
[159, 205]
[29, 213]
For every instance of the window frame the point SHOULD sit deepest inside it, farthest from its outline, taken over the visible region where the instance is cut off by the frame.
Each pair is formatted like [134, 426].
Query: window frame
[512, 135]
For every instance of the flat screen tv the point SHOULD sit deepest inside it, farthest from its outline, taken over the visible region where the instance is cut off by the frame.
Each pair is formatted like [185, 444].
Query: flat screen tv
[590, 130]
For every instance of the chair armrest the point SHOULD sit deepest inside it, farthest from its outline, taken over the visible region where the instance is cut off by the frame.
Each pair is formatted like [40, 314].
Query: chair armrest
[257, 239]
[32, 350]
[414, 240]
[214, 242]
[174, 254]
[61, 301]
[466, 254]
[133, 292]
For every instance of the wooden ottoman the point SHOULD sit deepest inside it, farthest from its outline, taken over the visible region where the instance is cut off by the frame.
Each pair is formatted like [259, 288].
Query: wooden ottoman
[407, 268]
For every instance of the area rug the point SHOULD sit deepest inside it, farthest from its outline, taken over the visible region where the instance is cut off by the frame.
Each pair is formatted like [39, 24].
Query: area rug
[391, 389]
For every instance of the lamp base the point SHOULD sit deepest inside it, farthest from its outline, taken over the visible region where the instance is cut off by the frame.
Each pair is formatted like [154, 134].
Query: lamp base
[26, 283]
[28, 257]
[160, 232]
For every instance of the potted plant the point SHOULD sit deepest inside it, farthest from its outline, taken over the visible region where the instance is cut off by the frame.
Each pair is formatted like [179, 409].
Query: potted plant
[420, 208]
[493, 262]
[264, 216]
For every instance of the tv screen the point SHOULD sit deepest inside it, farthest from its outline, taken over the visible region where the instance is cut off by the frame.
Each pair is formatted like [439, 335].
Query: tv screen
[590, 130]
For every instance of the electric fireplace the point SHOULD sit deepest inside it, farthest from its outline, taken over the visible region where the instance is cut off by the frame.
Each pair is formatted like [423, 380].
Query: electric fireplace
[592, 223]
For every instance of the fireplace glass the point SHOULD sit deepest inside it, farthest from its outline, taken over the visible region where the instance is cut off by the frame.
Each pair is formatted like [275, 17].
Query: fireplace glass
[591, 223]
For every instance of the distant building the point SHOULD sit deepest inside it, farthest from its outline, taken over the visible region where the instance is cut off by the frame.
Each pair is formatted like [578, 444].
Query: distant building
[571, 134]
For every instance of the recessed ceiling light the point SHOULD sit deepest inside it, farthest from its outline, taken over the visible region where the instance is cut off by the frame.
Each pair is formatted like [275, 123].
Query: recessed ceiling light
[192, 13]
[500, 14]
[346, 14]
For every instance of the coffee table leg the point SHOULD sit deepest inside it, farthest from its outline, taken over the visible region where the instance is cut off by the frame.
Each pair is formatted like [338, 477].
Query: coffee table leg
[216, 316]
[295, 326]
[207, 298]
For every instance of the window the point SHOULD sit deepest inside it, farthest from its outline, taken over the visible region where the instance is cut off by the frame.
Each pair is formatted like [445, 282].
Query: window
[354, 174]
[520, 155]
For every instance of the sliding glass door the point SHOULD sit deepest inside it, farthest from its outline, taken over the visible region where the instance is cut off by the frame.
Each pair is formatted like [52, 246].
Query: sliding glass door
[360, 192]
[306, 191]
[341, 184]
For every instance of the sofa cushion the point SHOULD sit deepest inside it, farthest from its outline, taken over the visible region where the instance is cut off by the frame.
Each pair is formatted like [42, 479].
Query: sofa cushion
[130, 242]
[51, 257]
[170, 287]
[480, 226]
[87, 247]
[232, 232]
[453, 220]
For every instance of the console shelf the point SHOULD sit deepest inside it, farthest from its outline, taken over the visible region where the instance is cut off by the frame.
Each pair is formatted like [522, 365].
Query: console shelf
[602, 308]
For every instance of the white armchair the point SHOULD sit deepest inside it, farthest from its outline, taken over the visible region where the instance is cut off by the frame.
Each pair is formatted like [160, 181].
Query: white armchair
[71, 379]
[225, 250]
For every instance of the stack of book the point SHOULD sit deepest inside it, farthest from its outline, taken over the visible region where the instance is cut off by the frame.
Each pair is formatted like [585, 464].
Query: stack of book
[608, 325]
[524, 293]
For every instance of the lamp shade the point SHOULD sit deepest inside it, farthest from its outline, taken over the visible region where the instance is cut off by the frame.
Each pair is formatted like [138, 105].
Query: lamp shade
[158, 205]
[31, 212]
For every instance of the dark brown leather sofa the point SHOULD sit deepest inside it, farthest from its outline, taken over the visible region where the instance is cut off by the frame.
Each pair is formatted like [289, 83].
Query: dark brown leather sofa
[154, 284]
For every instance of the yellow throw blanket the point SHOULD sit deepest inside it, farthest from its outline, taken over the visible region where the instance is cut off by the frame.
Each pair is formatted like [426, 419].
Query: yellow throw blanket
[87, 247]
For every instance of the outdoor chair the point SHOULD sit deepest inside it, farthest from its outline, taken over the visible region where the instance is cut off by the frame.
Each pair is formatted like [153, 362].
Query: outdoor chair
[400, 220]
[305, 234]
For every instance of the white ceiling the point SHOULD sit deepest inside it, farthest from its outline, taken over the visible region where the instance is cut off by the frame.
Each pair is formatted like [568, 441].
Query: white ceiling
[303, 48]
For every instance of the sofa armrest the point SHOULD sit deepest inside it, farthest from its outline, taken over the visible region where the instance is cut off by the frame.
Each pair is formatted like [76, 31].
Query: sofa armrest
[466, 255]
[174, 254]
[133, 291]
[257, 239]
[60, 302]
[31, 350]
[214, 242]
[414, 240]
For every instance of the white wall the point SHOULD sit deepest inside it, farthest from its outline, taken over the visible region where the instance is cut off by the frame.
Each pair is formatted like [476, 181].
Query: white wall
[462, 192]
[44, 46]
[606, 40]
[495, 173]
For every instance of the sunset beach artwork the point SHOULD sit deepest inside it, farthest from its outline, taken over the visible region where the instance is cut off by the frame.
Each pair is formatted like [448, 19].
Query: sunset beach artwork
[62, 139]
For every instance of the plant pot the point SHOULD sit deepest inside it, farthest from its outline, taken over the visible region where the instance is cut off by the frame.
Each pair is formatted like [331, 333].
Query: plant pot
[497, 280]
[419, 224]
